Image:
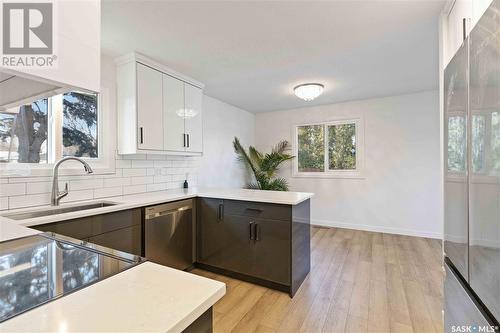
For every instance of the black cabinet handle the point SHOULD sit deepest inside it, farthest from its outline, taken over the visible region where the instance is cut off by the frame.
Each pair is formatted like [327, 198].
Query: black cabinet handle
[220, 212]
[141, 130]
[257, 232]
[251, 230]
[184, 138]
[464, 28]
[187, 140]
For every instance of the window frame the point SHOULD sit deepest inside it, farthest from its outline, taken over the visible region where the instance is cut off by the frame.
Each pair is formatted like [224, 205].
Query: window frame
[104, 164]
[357, 173]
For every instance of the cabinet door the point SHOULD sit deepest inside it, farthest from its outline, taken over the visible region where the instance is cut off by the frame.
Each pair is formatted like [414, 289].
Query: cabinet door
[210, 231]
[126, 240]
[271, 253]
[193, 97]
[173, 114]
[238, 253]
[149, 108]
[462, 9]
[223, 240]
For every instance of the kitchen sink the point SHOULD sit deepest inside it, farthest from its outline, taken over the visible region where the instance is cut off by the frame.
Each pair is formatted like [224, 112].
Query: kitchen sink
[58, 210]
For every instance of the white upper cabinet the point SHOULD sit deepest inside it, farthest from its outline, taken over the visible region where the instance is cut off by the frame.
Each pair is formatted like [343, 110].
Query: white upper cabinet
[458, 25]
[76, 47]
[462, 17]
[193, 97]
[159, 110]
[173, 107]
[150, 108]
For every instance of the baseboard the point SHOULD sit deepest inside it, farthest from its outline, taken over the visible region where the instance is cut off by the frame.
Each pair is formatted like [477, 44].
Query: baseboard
[365, 227]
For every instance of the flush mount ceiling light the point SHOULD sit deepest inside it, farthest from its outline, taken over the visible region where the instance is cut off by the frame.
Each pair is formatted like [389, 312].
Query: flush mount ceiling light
[308, 91]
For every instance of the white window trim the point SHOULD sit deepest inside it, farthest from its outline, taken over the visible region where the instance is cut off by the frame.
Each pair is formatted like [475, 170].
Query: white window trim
[103, 165]
[346, 174]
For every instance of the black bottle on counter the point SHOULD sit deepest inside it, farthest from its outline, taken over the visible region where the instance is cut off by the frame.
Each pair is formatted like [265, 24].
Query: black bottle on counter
[186, 185]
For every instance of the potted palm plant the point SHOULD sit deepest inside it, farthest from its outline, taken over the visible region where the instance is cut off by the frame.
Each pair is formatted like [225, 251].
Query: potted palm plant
[264, 166]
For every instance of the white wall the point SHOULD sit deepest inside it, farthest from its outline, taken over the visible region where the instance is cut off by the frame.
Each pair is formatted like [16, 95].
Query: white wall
[221, 123]
[145, 173]
[401, 188]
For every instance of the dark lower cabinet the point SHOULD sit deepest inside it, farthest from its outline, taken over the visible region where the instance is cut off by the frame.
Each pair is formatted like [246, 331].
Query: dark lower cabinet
[263, 243]
[125, 239]
[78, 228]
[258, 242]
[236, 252]
[121, 230]
[204, 323]
[272, 250]
[211, 242]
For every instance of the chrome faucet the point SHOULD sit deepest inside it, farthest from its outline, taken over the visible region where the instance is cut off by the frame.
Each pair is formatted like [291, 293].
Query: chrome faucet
[56, 195]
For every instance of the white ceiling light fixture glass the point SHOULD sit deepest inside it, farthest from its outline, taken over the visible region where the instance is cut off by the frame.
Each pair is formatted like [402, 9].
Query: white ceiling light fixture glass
[308, 91]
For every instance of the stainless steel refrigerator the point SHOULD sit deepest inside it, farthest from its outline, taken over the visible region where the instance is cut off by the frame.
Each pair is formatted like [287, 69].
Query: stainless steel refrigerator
[472, 180]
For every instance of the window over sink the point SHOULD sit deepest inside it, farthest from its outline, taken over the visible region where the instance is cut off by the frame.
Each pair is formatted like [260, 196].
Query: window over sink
[47, 129]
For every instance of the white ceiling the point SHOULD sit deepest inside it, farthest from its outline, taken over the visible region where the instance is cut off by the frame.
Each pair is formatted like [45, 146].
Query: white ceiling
[251, 54]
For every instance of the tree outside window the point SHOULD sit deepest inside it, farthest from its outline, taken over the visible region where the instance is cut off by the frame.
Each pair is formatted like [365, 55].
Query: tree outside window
[27, 131]
[311, 150]
[329, 148]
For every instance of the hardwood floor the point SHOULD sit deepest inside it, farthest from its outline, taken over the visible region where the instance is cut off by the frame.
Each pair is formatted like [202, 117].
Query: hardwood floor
[359, 282]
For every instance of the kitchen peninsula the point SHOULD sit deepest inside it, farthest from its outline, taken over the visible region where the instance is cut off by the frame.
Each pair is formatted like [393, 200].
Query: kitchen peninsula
[172, 299]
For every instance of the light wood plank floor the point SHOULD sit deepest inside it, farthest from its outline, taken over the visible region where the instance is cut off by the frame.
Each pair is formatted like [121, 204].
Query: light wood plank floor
[359, 282]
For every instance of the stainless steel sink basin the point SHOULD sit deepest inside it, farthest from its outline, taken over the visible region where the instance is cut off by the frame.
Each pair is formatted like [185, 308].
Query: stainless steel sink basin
[58, 210]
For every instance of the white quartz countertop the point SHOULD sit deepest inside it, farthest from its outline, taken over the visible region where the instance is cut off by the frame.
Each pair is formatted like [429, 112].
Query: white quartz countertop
[276, 197]
[146, 298]
[153, 198]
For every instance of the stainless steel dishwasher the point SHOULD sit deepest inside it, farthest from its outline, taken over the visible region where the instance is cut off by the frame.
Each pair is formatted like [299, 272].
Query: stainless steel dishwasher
[169, 233]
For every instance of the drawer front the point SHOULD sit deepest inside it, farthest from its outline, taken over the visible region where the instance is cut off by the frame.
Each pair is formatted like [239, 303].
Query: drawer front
[79, 228]
[126, 240]
[86, 227]
[257, 210]
[114, 221]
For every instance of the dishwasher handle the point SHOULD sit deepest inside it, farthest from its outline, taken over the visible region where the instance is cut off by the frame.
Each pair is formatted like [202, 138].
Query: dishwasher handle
[165, 212]
[166, 209]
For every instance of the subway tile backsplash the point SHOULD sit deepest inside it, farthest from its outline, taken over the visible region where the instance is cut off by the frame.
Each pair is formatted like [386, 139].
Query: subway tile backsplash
[134, 174]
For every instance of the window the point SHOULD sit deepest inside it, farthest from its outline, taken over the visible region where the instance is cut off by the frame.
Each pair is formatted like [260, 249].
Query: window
[80, 125]
[342, 147]
[311, 148]
[329, 149]
[24, 133]
[50, 128]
